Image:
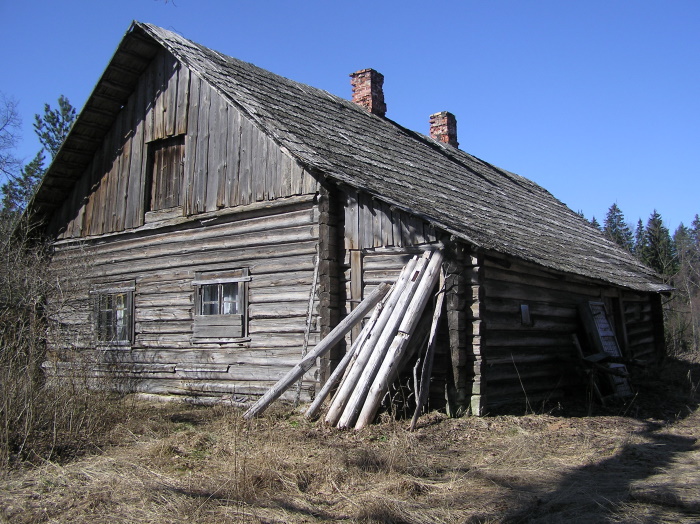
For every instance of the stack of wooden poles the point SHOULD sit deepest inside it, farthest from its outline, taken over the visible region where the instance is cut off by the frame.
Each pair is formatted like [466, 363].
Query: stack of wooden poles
[374, 360]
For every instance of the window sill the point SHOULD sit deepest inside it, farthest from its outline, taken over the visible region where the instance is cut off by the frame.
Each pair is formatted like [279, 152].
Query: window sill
[163, 214]
[114, 345]
[214, 340]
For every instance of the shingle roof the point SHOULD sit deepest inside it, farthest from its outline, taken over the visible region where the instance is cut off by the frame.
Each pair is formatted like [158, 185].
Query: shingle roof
[463, 195]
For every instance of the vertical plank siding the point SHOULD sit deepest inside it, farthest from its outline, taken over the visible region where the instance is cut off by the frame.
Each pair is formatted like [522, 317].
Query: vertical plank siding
[277, 248]
[228, 161]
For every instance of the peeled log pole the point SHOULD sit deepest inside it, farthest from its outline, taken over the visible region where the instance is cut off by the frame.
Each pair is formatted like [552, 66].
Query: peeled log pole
[337, 374]
[423, 389]
[342, 395]
[357, 399]
[390, 364]
[322, 347]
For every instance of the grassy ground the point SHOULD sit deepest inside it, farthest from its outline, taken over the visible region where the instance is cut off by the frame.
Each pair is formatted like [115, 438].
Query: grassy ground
[163, 463]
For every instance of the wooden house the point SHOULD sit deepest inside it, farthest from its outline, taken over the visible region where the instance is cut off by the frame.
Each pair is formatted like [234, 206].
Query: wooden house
[221, 206]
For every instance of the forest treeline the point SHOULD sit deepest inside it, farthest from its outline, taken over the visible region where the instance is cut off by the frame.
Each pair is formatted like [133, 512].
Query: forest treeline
[676, 257]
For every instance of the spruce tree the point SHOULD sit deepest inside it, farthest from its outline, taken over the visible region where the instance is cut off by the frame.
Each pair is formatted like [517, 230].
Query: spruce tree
[640, 240]
[616, 229]
[659, 253]
[596, 224]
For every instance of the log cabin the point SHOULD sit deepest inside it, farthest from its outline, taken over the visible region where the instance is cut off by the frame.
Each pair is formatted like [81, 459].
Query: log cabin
[223, 219]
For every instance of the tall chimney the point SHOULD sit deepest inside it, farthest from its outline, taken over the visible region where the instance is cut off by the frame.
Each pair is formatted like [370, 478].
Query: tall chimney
[367, 90]
[443, 128]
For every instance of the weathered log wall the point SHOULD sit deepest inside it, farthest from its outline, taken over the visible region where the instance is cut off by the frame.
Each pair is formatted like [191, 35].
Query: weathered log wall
[228, 161]
[277, 242]
[533, 362]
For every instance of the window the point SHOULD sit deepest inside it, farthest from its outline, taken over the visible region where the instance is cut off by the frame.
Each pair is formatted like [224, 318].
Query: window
[166, 171]
[221, 306]
[114, 314]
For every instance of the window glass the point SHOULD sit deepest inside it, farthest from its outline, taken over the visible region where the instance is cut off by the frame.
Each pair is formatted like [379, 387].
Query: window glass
[229, 298]
[114, 317]
[209, 297]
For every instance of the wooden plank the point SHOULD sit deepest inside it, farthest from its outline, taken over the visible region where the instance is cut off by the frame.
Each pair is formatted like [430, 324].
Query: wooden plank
[233, 145]
[366, 221]
[201, 162]
[259, 158]
[170, 95]
[149, 78]
[297, 179]
[183, 97]
[355, 285]
[387, 225]
[396, 217]
[125, 142]
[245, 184]
[285, 174]
[191, 146]
[133, 206]
[159, 96]
[272, 178]
[216, 151]
[352, 212]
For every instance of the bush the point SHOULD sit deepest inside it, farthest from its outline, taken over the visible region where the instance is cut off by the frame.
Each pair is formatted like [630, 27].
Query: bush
[40, 419]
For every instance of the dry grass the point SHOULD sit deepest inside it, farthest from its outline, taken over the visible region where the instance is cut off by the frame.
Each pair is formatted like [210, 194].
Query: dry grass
[178, 463]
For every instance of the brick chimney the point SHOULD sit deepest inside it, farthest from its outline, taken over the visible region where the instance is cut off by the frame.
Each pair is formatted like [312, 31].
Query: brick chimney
[443, 128]
[367, 90]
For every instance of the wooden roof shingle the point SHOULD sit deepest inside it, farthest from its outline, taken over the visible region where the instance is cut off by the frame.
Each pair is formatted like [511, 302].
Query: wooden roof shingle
[463, 195]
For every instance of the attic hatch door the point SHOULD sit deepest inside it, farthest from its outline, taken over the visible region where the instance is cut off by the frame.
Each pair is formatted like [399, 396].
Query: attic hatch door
[166, 158]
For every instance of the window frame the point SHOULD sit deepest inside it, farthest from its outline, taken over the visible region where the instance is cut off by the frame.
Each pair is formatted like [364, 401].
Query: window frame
[208, 327]
[112, 290]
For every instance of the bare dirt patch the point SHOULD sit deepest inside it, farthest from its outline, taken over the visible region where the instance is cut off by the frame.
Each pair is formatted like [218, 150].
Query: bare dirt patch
[178, 463]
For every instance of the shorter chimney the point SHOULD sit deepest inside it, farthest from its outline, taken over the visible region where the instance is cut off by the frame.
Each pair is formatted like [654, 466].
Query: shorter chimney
[443, 128]
[367, 90]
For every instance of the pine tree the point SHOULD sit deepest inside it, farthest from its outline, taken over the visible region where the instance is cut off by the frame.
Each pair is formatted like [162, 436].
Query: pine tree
[596, 224]
[659, 252]
[616, 229]
[52, 127]
[18, 191]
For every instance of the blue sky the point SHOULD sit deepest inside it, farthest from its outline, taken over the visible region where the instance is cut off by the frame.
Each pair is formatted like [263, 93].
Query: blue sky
[597, 101]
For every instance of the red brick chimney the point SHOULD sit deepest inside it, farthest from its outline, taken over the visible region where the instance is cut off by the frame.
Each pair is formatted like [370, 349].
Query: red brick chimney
[367, 90]
[443, 128]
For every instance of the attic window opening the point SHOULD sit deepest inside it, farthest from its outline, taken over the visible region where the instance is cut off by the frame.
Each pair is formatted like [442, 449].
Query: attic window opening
[166, 159]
